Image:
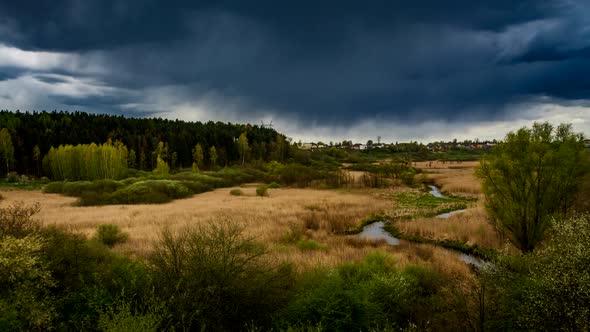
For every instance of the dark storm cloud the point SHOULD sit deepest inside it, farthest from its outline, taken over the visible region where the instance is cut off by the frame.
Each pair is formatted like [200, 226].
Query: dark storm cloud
[325, 62]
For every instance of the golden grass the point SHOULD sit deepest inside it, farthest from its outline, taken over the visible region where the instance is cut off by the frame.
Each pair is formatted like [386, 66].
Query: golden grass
[471, 227]
[277, 221]
[455, 178]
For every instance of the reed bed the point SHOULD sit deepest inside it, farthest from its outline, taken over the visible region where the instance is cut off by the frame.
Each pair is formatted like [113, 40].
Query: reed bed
[456, 178]
[470, 227]
[280, 221]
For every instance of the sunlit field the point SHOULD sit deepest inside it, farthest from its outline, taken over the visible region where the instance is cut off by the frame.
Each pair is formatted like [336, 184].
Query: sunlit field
[286, 221]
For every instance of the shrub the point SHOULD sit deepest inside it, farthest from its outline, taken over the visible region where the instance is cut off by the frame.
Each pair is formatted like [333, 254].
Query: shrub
[149, 191]
[122, 318]
[54, 188]
[262, 191]
[546, 290]
[89, 277]
[213, 277]
[16, 220]
[110, 234]
[365, 296]
[407, 177]
[25, 280]
[236, 192]
[12, 177]
[273, 185]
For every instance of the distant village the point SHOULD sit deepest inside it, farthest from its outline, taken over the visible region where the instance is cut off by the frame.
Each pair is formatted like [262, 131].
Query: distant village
[434, 146]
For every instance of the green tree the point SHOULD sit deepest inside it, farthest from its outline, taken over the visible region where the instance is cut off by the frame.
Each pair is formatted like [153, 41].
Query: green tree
[243, 146]
[213, 156]
[162, 167]
[531, 177]
[198, 156]
[132, 158]
[37, 159]
[173, 159]
[6, 148]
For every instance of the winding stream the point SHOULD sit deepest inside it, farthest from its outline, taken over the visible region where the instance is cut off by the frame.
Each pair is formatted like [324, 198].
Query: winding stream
[376, 231]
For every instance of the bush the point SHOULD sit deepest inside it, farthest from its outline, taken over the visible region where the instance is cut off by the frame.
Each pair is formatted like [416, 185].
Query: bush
[213, 277]
[236, 192]
[25, 302]
[12, 177]
[262, 191]
[273, 185]
[122, 318]
[546, 290]
[17, 220]
[54, 188]
[110, 234]
[89, 277]
[365, 296]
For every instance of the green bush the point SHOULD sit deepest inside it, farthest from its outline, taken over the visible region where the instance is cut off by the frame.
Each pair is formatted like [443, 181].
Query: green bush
[370, 295]
[12, 177]
[88, 277]
[123, 318]
[213, 277]
[262, 191]
[273, 185]
[25, 280]
[546, 290]
[236, 192]
[54, 188]
[16, 220]
[110, 234]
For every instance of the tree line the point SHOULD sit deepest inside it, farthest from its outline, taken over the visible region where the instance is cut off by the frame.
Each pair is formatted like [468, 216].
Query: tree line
[26, 137]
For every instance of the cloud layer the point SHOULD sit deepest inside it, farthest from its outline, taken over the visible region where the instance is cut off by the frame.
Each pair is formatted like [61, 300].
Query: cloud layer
[429, 70]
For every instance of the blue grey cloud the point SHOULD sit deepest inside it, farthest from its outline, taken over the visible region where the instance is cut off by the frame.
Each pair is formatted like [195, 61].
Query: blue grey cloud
[325, 63]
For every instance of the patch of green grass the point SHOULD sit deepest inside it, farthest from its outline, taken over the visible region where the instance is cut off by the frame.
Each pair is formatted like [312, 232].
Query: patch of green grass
[32, 184]
[422, 204]
[310, 245]
[367, 221]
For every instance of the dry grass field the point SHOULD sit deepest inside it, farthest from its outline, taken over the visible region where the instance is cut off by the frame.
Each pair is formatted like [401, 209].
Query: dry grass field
[455, 178]
[281, 221]
[304, 226]
[470, 226]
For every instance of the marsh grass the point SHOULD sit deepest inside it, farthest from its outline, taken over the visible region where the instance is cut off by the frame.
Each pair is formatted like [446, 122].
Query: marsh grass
[278, 221]
[453, 178]
[470, 227]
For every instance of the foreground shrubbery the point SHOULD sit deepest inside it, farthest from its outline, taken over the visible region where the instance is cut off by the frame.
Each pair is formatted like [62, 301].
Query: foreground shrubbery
[217, 278]
[371, 296]
[548, 289]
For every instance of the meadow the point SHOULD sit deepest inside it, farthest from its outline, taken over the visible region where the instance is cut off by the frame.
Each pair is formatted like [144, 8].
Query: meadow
[264, 248]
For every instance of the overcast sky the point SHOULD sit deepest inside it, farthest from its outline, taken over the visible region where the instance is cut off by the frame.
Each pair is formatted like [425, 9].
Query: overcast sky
[320, 70]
